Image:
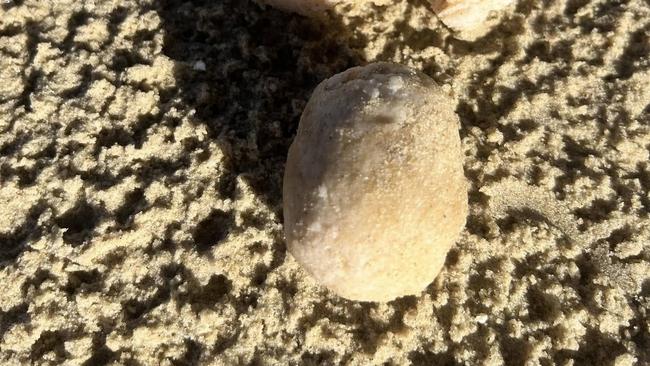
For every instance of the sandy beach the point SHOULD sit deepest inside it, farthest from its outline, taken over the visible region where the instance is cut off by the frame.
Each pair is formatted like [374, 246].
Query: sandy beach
[142, 150]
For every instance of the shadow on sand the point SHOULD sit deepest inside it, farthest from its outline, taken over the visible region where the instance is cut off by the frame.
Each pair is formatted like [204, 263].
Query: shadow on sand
[248, 72]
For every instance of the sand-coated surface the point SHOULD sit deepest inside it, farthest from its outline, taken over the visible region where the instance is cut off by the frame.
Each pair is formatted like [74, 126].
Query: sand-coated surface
[142, 149]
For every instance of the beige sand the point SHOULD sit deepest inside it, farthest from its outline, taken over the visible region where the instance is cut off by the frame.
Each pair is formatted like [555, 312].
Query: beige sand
[142, 146]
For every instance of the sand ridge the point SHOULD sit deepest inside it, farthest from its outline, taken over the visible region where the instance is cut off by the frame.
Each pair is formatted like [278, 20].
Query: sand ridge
[142, 146]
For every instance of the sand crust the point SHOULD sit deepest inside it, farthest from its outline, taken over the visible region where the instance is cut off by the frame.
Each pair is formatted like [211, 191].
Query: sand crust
[142, 147]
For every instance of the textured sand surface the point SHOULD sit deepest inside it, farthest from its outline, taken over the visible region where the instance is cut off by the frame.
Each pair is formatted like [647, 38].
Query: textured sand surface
[142, 146]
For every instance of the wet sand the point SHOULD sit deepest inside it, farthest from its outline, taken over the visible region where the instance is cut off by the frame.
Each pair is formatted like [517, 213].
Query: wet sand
[142, 149]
